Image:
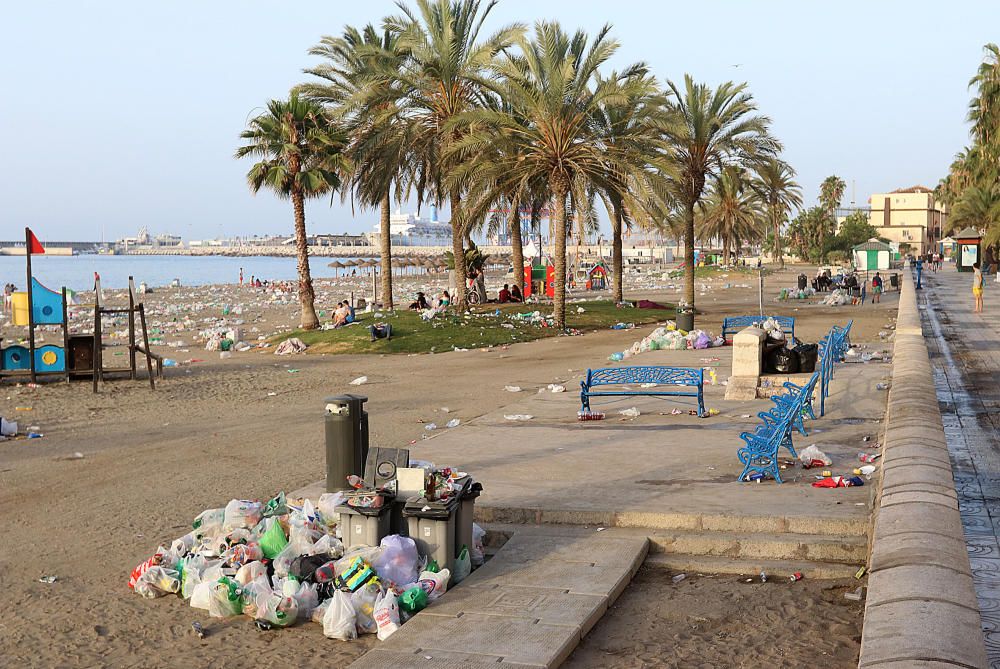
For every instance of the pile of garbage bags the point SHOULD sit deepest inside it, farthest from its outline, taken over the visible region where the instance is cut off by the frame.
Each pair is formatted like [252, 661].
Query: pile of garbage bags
[668, 338]
[280, 563]
[796, 293]
[837, 298]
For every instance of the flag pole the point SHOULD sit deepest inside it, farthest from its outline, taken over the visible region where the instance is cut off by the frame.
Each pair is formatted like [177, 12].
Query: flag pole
[31, 309]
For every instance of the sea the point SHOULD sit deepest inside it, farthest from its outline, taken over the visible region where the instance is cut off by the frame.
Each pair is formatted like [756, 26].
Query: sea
[77, 272]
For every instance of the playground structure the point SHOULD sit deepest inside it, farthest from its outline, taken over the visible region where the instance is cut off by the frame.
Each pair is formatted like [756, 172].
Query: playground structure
[81, 355]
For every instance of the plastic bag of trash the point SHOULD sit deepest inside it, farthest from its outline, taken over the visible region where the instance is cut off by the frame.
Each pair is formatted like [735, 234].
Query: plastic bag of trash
[225, 599]
[433, 583]
[339, 620]
[201, 595]
[329, 546]
[477, 552]
[273, 540]
[783, 361]
[399, 561]
[702, 341]
[209, 519]
[241, 513]
[363, 600]
[386, 614]
[250, 571]
[631, 412]
[158, 581]
[810, 453]
[327, 506]
[463, 566]
[361, 380]
[283, 561]
[278, 610]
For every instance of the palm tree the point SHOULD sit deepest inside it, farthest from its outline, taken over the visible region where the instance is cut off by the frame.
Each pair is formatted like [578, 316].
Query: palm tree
[301, 156]
[630, 123]
[710, 129]
[775, 184]
[356, 86]
[831, 192]
[979, 208]
[445, 74]
[553, 85]
[732, 212]
[984, 109]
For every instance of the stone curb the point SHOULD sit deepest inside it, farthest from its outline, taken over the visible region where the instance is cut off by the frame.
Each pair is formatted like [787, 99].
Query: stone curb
[921, 609]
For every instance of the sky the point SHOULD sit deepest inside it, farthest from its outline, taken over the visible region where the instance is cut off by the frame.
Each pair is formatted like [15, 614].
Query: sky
[116, 115]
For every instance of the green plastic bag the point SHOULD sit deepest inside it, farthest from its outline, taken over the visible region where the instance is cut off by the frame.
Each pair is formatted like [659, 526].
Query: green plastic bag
[413, 600]
[273, 541]
[463, 566]
[276, 506]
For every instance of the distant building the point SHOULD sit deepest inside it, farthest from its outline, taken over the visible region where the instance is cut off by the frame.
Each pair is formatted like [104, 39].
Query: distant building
[144, 240]
[909, 216]
[409, 230]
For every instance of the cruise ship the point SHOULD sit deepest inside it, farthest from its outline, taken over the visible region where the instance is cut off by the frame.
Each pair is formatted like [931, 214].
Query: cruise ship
[410, 230]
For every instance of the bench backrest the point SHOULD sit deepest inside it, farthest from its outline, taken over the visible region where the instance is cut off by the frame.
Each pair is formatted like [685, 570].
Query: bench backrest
[735, 323]
[673, 376]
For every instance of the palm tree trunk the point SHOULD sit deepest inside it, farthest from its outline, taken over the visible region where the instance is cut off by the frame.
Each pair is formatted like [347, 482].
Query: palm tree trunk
[307, 297]
[689, 253]
[385, 251]
[517, 246]
[559, 190]
[725, 249]
[458, 249]
[617, 263]
[778, 255]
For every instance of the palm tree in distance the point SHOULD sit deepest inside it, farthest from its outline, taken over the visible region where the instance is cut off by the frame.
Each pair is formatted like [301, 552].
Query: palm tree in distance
[553, 85]
[356, 87]
[732, 212]
[446, 73]
[979, 208]
[301, 155]
[774, 183]
[710, 129]
[831, 192]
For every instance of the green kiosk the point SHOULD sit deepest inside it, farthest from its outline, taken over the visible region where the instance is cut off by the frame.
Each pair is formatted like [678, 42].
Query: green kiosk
[968, 244]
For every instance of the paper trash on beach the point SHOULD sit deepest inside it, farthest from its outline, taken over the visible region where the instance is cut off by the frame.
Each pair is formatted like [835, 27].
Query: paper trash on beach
[290, 346]
[518, 416]
[359, 381]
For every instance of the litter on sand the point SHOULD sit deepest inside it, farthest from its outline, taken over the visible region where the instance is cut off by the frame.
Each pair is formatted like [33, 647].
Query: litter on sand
[359, 381]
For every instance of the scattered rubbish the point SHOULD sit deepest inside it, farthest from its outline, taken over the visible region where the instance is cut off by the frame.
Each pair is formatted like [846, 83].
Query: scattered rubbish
[860, 572]
[867, 470]
[811, 454]
[589, 415]
[512, 389]
[678, 578]
[855, 595]
[557, 388]
[881, 386]
[763, 577]
[518, 416]
[48, 579]
[290, 346]
[454, 422]
[631, 412]
[430, 426]
[869, 457]
[839, 482]
[198, 629]
[797, 576]
[35, 435]
[359, 381]
[75, 456]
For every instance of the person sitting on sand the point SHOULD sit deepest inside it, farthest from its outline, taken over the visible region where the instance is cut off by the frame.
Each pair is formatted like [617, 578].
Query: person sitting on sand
[420, 303]
[340, 315]
[515, 294]
[350, 313]
[504, 295]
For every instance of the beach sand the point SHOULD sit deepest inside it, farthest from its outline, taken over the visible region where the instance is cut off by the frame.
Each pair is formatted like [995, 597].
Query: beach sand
[248, 426]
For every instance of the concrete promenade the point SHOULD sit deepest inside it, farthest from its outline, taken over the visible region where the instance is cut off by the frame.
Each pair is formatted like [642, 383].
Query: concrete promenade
[965, 352]
[921, 609]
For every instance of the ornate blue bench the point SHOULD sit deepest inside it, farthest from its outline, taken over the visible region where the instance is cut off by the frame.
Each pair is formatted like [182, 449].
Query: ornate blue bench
[661, 376]
[760, 454]
[734, 324]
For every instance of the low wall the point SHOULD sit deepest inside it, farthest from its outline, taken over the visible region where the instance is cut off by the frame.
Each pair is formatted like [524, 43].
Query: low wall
[921, 608]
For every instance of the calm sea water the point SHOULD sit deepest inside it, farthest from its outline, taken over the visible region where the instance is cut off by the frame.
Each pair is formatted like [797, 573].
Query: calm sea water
[77, 272]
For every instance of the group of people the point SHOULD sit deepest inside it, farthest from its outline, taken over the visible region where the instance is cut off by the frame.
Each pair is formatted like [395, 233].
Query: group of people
[510, 294]
[8, 297]
[421, 303]
[344, 314]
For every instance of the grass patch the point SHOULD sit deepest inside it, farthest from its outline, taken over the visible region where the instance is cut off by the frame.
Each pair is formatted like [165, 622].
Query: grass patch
[483, 328]
[712, 272]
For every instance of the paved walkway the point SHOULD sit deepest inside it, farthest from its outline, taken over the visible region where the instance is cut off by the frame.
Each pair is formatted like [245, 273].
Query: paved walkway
[965, 352]
[529, 606]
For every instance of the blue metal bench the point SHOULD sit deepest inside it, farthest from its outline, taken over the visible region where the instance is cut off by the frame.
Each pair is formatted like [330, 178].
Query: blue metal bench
[760, 454]
[661, 376]
[734, 324]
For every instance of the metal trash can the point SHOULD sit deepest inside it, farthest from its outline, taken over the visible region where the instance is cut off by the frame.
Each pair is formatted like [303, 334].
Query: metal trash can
[894, 281]
[346, 430]
[685, 318]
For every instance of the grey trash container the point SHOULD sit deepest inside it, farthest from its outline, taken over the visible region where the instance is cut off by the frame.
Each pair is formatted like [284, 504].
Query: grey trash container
[685, 318]
[346, 433]
[364, 527]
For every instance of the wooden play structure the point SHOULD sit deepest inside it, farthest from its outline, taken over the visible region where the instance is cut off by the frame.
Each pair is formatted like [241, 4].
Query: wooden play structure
[81, 356]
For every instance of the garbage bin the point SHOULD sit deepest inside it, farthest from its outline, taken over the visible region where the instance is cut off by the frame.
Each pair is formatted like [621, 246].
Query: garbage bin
[894, 281]
[364, 527]
[346, 428]
[431, 525]
[685, 318]
[464, 517]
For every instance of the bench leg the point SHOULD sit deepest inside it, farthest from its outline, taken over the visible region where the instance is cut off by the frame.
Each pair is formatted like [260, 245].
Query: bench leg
[701, 403]
[584, 402]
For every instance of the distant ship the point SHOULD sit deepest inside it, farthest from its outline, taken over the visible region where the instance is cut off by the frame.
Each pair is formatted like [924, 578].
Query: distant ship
[409, 230]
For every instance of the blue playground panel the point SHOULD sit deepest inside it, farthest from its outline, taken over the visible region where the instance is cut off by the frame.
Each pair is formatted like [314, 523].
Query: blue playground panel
[46, 305]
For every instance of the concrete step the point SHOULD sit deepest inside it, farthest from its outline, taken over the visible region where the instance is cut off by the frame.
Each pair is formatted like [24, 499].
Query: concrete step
[708, 522]
[847, 549]
[708, 564]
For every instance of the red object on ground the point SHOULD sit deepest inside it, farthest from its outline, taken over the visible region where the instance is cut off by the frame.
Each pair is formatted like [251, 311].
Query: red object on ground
[142, 568]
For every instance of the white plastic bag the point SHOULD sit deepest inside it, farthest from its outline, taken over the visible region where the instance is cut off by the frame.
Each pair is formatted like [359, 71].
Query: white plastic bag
[201, 595]
[250, 571]
[810, 453]
[433, 583]
[386, 614]
[306, 596]
[399, 560]
[478, 551]
[340, 621]
[363, 600]
[328, 545]
[241, 513]
[278, 610]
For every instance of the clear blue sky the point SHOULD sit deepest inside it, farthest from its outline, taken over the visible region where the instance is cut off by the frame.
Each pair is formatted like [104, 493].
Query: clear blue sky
[121, 114]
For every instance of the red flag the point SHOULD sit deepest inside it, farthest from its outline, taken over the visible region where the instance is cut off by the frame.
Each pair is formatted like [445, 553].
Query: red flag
[34, 246]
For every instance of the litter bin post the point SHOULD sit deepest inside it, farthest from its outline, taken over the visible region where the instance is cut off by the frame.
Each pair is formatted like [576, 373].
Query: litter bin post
[346, 432]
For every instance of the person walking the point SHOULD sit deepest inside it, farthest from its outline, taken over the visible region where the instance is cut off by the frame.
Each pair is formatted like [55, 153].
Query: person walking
[977, 287]
[919, 264]
[877, 288]
[241, 276]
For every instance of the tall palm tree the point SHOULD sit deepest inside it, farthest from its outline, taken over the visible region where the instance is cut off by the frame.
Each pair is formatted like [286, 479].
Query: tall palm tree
[445, 74]
[355, 84]
[553, 85]
[732, 211]
[775, 184]
[710, 129]
[302, 155]
[831, 192]
[979, 208]
[630, 123]
[984, 108]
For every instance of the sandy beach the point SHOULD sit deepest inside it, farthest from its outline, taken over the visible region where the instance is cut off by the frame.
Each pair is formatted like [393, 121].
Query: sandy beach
[250, 424]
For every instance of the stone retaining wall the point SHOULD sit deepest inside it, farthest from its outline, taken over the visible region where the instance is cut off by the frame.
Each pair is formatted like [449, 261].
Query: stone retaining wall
[921, 609]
